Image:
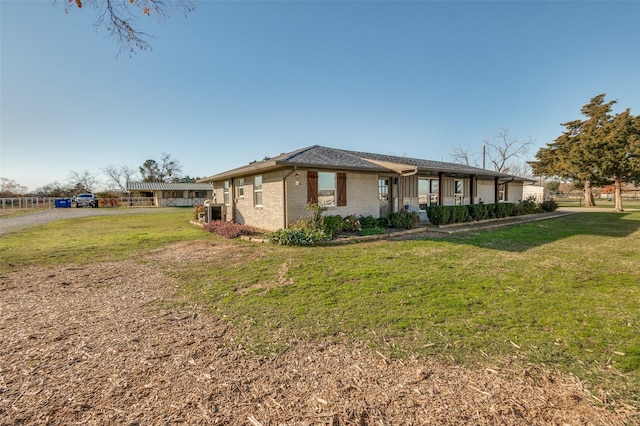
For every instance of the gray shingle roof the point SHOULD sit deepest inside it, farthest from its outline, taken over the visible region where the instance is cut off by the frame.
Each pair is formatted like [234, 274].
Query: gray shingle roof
[335, 158]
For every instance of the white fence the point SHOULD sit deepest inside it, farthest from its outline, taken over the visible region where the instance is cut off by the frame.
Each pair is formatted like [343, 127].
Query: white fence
[25, 203]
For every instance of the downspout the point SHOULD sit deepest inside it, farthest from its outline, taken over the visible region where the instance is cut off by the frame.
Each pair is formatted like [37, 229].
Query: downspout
[284, 196]
[232, 199]
[411, 173]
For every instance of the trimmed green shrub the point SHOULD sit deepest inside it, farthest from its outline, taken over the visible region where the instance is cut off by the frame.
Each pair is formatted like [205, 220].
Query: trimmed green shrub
[504, 210]
[445, 215]
[549, 206]
[434, 213]
[403, 220]
[491, 211]
[460, 214]
[297, 237]
[368, 222]
[372, 231]
[478, 212]
[527, 206]
[332, 225]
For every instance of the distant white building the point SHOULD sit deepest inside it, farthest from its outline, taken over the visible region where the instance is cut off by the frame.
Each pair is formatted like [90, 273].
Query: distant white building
[538, 193]
[173, 194]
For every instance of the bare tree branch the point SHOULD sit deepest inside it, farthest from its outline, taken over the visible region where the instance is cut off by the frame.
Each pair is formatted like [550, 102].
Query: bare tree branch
[118, 17]
[505, 148]
[82, 182]
[120, 176]
[464, 156]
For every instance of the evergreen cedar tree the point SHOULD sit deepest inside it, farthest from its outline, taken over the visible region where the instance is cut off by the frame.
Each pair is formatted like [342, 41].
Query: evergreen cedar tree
[603, 149]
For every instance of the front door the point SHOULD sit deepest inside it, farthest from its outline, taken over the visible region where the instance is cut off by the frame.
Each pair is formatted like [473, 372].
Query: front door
[384, 196]
[427, 195]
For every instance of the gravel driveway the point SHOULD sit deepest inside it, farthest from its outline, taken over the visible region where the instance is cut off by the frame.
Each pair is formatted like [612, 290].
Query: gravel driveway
[14, 223]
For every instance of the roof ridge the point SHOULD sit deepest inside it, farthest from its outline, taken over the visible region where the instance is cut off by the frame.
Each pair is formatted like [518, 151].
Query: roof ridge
[293, 154]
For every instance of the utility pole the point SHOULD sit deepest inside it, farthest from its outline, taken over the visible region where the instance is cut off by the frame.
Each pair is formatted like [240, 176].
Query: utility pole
[484, 154]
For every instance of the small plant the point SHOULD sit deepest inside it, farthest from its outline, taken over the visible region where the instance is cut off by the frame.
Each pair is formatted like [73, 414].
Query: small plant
[228, 230]
[351, 224]
[333, 225]
[367, 222]
[197, 211]
[549, 206]
[297, 237]
[372, 231]
[316, 210]
[403, 220]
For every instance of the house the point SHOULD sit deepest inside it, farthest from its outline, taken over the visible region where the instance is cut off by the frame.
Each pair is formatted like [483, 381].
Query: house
[272, 193]
[173, 194]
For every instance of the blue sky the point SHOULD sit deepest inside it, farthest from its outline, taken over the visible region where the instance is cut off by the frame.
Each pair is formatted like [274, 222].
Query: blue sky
[238, 81]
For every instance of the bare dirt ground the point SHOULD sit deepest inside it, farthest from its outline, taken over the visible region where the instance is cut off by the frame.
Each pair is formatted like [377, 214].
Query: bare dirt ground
[106, 344]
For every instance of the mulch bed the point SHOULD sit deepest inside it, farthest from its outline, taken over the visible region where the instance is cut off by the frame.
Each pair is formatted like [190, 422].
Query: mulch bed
[107, 344]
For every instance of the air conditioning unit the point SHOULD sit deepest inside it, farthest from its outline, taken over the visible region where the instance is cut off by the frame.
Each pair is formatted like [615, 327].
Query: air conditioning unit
[215, 212]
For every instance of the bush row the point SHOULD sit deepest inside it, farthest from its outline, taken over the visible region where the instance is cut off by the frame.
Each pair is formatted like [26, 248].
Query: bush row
[315, 228]
[445, 215]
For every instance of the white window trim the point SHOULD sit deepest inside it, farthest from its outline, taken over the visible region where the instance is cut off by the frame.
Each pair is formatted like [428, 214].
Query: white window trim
[256, 191]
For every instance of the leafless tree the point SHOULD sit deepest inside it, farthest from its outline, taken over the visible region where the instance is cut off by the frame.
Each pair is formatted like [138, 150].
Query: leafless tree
[119, 17]
[119, 176]
[11, 188]
[521, 169]
[55, 189]
[82, 181]
[505, 153]
[504, 150]
[464, 155]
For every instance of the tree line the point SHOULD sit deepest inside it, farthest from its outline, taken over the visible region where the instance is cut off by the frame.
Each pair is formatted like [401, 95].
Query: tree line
[117, 178]
[601, 149]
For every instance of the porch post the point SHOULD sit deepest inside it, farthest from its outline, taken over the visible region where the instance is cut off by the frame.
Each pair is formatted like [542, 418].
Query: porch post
[441, 188]
[471, 186]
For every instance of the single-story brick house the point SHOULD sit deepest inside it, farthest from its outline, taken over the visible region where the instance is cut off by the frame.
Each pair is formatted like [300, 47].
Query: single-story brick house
[272, 193]
[173, 194]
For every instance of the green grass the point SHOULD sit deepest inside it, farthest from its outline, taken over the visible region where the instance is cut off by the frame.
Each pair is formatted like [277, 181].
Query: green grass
[564, 292]
[600, 203]
[99, 238]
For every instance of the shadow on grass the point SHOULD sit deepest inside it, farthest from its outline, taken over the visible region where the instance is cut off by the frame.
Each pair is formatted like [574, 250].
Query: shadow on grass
[522, 237]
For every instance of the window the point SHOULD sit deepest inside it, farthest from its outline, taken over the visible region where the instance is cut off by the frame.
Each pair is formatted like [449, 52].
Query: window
[326, 189]
[174, 194]
[458, 186]
[434, 191]
[257, 191]
[428, 192]
[383, 189]
[241, 188]
[226, 192]
[502, 192]
[199, 194]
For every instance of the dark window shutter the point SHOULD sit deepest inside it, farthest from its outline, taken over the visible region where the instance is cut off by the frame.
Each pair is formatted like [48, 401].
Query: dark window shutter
[342, 188]
[506, 191]
[312, 187]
